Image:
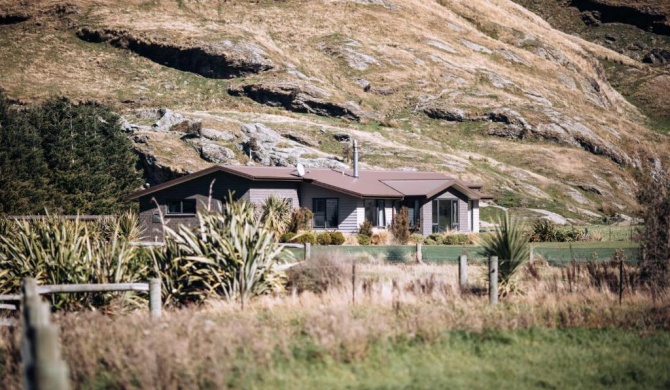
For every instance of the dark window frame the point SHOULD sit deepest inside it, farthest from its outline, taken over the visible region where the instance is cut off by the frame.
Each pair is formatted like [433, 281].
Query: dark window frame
[375, 219]
[184, 206]
[326, 223]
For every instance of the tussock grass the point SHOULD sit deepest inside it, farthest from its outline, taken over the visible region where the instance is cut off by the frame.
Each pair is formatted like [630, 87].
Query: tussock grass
[405, 317]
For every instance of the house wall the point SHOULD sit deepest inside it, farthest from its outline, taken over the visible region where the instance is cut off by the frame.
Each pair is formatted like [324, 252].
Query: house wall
[348, 206]
[287, 190]
[199, 190]
[463, 212]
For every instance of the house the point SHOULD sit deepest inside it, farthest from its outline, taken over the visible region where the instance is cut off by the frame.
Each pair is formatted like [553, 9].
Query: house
[340, 200]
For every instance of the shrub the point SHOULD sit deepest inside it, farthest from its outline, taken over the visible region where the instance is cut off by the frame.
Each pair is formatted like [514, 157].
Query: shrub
[418, 238]
[456, 239]
[337, 238]
[301, 219]
[510, 244]
[437, 238]
[400, 226]
[653, 195]
[319, 274]
[364, 239]
[381, 238]
[324, 238]
[544, 230]
[365, 228]
[286, 237]
[305, 237]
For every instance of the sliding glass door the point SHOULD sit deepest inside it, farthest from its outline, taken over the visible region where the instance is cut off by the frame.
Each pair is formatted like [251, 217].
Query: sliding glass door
[445, 215]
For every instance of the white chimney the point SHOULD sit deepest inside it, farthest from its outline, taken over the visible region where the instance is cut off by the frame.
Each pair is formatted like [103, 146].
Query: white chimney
[355, 158]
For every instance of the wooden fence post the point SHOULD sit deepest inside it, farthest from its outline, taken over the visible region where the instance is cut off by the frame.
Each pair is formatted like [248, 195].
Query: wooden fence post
[419, 255]
[155, 304]
[493, 280]
[353, 283]
[308, 251]
[40, 351]
[463, 271]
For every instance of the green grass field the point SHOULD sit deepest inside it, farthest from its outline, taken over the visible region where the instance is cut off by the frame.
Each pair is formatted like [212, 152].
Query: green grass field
[524, 359]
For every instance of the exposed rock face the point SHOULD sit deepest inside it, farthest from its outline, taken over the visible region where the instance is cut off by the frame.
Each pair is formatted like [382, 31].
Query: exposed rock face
[269, 148]
[171, 121]
[223, 59]
[216, 153]
[657, 57]
[298, 97]
[644, 16]
[13, 17]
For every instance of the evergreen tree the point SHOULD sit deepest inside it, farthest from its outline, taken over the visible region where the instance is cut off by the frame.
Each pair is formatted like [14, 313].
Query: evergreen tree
[70, 158]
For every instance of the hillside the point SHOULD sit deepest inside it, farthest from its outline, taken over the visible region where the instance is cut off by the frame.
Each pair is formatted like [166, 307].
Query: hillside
[484, 90]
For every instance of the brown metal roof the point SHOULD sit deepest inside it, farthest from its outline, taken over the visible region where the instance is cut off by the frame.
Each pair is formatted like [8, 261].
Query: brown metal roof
[369, 184]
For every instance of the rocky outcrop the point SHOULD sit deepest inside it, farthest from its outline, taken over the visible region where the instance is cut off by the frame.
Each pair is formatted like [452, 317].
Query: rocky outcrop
[267, 147]
[657, 57]
[221, 60]
[172, 121]
[508, 123]
[299, 97]
[13, 17]
[643, 16]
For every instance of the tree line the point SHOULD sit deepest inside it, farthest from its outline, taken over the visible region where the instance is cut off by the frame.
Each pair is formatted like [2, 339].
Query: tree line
[64, 158]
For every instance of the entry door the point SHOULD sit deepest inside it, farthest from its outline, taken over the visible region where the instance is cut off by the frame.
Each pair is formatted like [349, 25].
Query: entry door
[445, 215]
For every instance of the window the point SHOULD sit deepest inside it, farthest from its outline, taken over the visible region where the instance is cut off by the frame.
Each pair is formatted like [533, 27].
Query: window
[445, 215]
[412, 211]
[374, 212]
[325, 212]
[185, 206]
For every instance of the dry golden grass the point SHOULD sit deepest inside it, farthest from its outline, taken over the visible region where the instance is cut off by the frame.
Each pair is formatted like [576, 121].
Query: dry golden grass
[415, 302]
[43, 57]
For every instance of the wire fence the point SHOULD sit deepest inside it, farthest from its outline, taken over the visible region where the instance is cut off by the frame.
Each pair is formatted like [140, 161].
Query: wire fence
[553, 253]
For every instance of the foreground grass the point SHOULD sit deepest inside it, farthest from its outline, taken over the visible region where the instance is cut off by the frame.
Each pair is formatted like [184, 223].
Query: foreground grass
[535, 358]
[409, 328]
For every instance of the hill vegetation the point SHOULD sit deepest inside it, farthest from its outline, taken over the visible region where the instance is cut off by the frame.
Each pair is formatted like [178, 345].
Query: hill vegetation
[483, 90]
[63, 157]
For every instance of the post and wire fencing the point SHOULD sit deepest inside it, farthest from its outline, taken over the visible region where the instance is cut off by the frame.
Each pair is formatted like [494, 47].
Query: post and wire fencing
[43, 365]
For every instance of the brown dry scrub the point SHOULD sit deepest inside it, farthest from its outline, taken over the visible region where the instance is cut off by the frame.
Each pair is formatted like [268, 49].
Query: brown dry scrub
[201, 347]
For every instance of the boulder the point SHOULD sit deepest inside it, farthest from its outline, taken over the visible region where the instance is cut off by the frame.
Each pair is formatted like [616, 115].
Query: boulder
[216, 153]
[216, 135]
[172, 121]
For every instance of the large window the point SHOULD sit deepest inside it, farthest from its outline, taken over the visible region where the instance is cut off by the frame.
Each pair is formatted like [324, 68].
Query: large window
[374, 212]
[185, 206]
[445, 215]
[325, 212]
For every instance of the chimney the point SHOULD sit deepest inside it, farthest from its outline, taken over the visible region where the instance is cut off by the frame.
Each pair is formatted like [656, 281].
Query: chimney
[355, 158]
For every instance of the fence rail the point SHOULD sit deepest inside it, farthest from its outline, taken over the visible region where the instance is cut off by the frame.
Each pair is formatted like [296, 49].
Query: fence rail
[153, 287]
[553, 253]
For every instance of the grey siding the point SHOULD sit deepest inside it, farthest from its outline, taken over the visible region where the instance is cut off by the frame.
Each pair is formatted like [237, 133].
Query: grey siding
[347, 205]
[427, 218]
[197, 189]
[262, 190]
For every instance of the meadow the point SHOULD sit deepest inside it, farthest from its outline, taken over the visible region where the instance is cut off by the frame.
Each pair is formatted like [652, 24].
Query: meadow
[403, 326]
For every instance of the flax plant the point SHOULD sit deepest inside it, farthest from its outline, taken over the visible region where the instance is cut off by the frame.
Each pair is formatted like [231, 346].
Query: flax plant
[510, 243]
[229, 255]
[276, 214]
[54, 250]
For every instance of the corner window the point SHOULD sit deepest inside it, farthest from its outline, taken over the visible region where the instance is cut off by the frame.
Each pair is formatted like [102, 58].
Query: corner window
[185, 206]
[375, 212]
[325, 212]
[445, 215]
